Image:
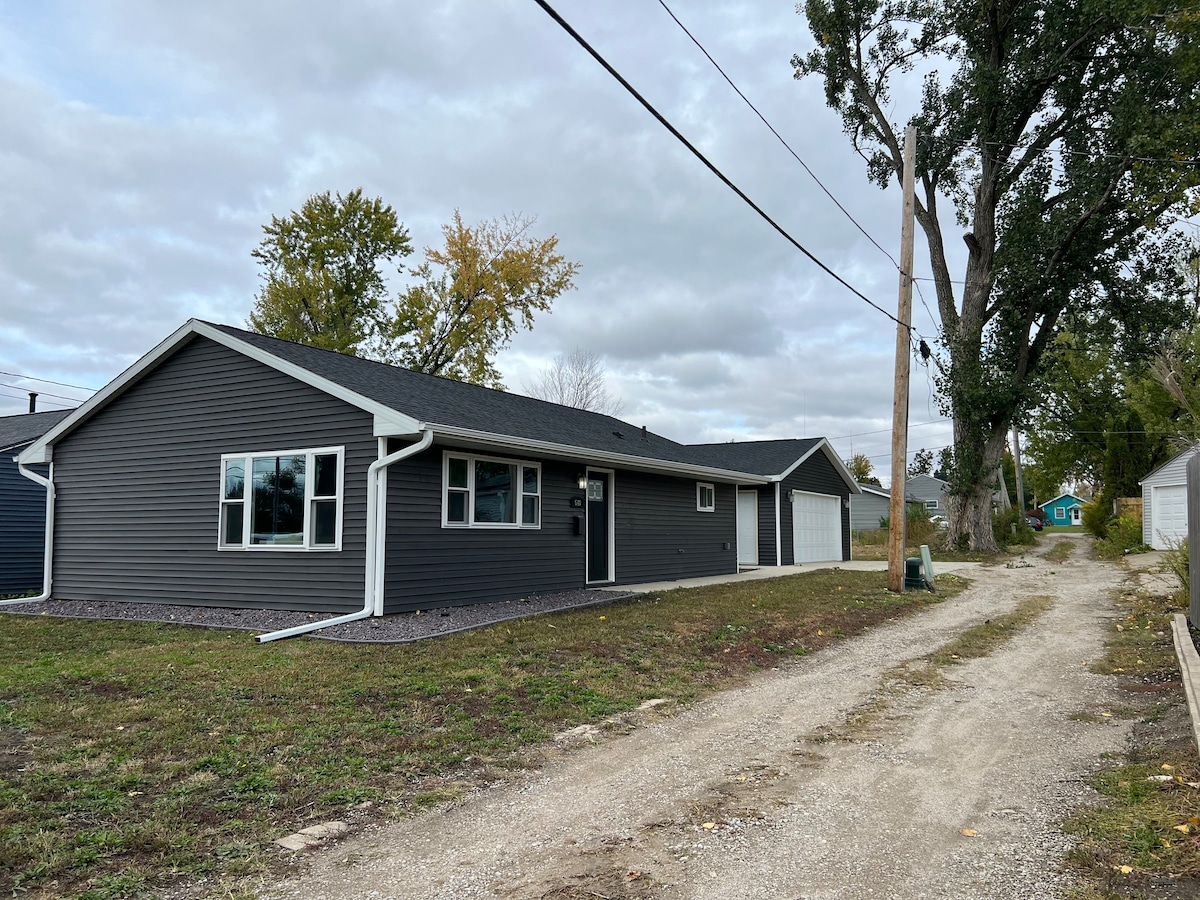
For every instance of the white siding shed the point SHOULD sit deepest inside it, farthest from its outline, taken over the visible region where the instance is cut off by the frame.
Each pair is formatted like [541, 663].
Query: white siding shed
[1164, 501]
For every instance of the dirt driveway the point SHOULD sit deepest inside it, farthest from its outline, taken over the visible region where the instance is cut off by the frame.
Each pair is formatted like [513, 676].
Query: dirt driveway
[766, 792]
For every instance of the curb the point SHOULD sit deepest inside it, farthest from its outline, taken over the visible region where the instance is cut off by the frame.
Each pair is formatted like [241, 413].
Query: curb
[1189, 668]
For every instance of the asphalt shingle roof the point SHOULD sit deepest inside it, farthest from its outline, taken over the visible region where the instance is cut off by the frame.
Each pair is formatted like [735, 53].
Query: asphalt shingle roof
[28, 427]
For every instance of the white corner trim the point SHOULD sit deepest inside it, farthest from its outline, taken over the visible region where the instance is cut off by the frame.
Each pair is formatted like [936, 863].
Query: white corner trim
[778, 529]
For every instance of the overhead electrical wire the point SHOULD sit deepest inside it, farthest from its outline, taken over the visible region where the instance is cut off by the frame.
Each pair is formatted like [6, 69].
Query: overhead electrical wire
[17, 387]
[786, 145]
[595, 54]
[78, 387]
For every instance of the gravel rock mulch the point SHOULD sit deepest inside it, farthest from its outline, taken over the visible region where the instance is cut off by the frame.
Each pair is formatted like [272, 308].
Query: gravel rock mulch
[400, 628]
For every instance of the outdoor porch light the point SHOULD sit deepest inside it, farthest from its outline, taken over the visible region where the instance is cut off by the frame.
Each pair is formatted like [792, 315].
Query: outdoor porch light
[583, 481]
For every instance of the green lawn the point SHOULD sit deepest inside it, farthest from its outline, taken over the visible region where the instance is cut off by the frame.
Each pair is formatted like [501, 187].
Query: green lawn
[135, 754]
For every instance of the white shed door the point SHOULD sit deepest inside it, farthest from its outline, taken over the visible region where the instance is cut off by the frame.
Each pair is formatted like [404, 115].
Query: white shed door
[747, 528]
[1168, 512]
[816, 527]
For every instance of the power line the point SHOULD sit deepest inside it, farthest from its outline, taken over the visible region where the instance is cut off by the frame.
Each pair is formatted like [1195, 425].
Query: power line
[78, 387]
[788, 146]
[17, 387]
[26, 398]
[579, 39]
[1084, 153]
[841, 437]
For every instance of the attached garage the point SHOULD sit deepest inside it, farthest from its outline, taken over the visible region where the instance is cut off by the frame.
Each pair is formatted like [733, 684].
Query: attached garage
[1164, 501]
[816, 527]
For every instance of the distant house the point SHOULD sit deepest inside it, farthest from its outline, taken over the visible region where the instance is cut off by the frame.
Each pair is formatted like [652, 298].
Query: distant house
[871, 505]
[1065, 509]
[22, 504]
[226, 468]
[1164, 501]
[930, 492]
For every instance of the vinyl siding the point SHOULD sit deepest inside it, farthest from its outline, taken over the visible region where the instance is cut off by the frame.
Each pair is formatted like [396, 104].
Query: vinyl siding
[816, 475]
[428, 566]
[661, 535]
[1172, 472]
[22, 527]
[866, 510]
[138, 489]
[766, 525]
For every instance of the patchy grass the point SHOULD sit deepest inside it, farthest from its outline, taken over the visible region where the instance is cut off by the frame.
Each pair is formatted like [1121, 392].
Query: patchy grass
[1060, 552]
[1144, 840]
[872, 550]
[927, 672]
[132, 754]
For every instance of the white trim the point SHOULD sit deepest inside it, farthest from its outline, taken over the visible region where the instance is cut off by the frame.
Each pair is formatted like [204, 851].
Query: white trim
[387, 419]
[247, 502]
[700, 505]
[574, 453]
[778, 529]
[737, 525]
[841, 527]
[519, 491]
[1078, 500]
[827, 448]
[932, 504]
[611, 525]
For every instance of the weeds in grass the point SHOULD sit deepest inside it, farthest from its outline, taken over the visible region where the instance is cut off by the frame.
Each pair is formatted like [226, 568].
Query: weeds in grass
[1059, 552]
[1148, 827]
[134, 753]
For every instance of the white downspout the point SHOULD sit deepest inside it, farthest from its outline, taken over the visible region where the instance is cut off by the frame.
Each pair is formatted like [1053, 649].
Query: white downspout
[376, 536]
[779, 529]
[48, 484]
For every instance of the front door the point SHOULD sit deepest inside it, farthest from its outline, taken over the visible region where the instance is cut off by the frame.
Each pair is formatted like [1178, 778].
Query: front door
[598, 501]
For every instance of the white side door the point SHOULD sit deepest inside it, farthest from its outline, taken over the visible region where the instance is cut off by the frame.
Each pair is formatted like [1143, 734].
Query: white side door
[1169, 515]
[747, 528]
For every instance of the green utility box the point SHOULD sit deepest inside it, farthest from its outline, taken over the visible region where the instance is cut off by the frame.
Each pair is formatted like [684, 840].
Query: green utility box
[913, 581]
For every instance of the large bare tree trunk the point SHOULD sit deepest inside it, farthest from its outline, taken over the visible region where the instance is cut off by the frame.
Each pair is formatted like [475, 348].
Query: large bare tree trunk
[969, 503]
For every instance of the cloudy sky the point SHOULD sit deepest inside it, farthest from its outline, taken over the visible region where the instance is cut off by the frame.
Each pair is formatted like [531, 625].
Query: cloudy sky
[146, 143]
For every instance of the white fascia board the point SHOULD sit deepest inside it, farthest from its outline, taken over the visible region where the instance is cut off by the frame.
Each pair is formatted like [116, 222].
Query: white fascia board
[617, 460]
[1195, 448]
[825, 447]
[40, 450]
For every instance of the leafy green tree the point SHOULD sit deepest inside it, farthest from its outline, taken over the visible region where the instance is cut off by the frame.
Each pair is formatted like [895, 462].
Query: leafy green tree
[487, 282]
[861, 470]
[945, 464]
[323, 271]
[922, 463]
[1035, 124]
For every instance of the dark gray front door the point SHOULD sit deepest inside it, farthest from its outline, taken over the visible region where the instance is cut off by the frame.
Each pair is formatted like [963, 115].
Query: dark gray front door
[597, 527]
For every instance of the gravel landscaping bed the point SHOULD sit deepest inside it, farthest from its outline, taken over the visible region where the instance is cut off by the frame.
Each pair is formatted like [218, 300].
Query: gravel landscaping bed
[395, 629]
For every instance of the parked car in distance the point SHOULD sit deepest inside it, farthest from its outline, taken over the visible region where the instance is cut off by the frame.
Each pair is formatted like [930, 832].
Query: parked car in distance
[1034, 522]
[939, 521]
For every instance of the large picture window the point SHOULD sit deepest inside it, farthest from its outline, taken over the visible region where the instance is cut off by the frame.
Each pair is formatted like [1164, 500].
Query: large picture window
[484, 492]
[290, 500]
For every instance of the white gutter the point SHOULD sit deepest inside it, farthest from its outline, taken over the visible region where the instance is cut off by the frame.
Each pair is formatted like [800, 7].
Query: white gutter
[376, 543]
[48, 484]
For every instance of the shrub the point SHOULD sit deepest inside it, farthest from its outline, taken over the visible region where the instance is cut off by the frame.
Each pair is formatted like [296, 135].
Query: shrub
[1123, 535]
[1178, 561]
[1096, 514]
[1010, 527]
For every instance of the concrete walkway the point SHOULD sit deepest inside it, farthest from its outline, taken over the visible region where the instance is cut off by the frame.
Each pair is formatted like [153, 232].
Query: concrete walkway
[940, 567]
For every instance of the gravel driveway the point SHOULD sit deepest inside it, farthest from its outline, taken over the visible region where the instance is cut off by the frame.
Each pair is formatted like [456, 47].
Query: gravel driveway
[734, 798]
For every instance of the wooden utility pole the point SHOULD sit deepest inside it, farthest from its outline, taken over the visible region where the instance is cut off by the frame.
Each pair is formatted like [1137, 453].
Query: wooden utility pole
[1017, 465]
[903, 364]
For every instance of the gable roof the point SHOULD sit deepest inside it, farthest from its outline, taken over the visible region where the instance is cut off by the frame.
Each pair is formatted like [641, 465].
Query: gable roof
[405, 403]
[1185, 452]
[1078, 501]
[28, 427]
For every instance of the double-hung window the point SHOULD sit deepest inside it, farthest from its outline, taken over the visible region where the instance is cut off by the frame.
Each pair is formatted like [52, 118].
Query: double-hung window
[289, 500]
[484, 492]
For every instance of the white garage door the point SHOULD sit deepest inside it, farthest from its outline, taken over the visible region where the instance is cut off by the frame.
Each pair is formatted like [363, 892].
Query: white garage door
[816, 527]
[1168, 513]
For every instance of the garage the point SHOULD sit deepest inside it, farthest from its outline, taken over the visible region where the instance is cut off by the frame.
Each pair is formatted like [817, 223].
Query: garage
[816, 527]
[1168, 509]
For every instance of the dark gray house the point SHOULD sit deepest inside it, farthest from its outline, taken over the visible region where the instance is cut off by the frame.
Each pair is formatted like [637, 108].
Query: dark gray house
[226, 468]
[873, 504]
[22, 504]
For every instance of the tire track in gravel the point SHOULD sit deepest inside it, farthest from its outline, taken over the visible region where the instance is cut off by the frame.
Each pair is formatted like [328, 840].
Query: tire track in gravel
[994, 750]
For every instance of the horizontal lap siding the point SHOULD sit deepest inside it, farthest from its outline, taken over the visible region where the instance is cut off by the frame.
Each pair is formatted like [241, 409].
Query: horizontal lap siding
[22, 527]
[766, 524]
[138, 489]
[816, 475]
[661, 535]
[429, 566]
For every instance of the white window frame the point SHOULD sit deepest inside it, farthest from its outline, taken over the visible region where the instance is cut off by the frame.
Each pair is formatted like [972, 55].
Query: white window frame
[1060, 514]
[518, 502]
[701, 506]
[247, 460]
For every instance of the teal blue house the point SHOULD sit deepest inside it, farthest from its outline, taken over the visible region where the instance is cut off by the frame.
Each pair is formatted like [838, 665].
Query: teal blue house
[1065, 509]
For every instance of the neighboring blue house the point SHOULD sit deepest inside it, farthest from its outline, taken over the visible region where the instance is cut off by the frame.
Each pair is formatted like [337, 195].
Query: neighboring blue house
[226, 468]
[1065, 509]
[22, 504]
